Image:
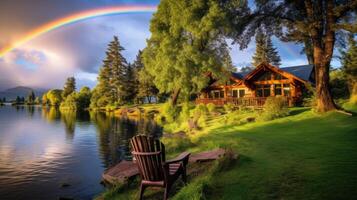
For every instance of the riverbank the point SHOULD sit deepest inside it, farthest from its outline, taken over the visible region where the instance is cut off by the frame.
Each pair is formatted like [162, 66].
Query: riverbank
[303, 155]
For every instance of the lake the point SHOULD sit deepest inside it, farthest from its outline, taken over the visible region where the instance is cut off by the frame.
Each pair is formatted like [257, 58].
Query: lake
[46, 154]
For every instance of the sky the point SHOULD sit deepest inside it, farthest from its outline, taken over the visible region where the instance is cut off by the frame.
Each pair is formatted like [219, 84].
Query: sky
[78, 49]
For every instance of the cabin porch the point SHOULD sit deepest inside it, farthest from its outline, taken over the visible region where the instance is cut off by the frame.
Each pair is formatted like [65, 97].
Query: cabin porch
[242, 101]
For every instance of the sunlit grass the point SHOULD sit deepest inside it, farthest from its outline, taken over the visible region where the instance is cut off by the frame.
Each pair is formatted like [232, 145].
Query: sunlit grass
[302, 156]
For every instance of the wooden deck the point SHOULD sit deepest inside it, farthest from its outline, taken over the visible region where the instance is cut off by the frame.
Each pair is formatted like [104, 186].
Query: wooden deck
[125, 170]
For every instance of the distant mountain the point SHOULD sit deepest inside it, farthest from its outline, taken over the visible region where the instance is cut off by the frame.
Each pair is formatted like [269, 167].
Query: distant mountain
[22, 91]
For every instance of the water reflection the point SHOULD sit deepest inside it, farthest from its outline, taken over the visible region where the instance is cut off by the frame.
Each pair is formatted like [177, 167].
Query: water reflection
[42, 148]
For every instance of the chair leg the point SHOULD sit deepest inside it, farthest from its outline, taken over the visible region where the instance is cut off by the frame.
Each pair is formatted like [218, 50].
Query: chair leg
[142, 188]
[184, 176]
[166, 193]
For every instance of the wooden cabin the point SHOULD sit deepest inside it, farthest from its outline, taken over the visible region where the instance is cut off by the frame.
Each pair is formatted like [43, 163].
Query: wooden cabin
[252, 88]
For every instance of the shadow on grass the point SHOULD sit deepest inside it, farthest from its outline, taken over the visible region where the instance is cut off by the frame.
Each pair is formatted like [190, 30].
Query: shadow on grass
[299, 111]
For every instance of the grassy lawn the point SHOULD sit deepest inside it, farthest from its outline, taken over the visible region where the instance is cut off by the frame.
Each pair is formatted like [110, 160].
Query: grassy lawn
[302, 156]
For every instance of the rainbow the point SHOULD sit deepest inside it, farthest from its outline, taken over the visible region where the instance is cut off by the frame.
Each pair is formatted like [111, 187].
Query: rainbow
[75, 18]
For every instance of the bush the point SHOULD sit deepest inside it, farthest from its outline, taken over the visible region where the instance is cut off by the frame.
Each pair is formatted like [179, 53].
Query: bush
[211, 107]
[275, 107]
[169, 113]
[229, 107]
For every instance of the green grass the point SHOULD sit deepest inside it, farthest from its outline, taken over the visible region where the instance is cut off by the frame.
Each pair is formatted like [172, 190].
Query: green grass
[302, 156]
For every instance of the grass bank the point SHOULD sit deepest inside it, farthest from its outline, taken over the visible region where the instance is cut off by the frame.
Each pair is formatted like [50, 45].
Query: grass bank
[302, 156]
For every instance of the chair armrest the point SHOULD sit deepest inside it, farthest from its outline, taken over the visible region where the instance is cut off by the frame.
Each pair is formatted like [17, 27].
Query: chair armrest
[183, 157]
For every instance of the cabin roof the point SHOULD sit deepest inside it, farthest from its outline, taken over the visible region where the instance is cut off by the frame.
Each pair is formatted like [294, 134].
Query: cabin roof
[240, 75]
[301, 71]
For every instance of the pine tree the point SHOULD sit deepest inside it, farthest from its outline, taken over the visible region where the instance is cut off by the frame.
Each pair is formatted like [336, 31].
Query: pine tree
[265, 51]
[111, 86]
[349, 65]
[31, 97]
[69, 87]
[145, 85]
[118, 66]
[130, 91]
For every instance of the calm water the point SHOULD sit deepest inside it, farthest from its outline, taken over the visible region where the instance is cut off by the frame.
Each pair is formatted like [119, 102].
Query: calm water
[45, 154]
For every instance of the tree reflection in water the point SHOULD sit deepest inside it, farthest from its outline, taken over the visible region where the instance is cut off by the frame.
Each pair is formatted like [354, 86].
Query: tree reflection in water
[115, 133]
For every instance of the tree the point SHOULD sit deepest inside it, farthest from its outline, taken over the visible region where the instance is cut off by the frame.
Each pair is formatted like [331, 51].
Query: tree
[186, 42]
[131, 90]
[246, 69]
[54, 97]
[83, 98]
[37, 100]
[69, 87]
[31, 97]
[349, 65]
[318, 23]
[144, 81]
[111, 79]
[265, 51]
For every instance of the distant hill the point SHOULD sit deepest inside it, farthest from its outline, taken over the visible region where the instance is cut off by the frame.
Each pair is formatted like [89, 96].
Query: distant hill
[22, 91]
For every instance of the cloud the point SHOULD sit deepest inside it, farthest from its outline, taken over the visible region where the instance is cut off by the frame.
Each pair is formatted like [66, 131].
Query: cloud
[74, 49]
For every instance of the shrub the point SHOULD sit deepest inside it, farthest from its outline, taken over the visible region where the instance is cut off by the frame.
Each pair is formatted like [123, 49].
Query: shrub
[229, 107]
[211, 107]
[275, 107]
[169, 112]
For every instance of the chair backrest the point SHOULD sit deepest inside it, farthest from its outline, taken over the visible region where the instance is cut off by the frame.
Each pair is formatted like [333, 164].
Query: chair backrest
[149, 154]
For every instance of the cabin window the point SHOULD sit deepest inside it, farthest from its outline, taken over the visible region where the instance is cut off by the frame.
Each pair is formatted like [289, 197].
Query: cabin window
[238, 93]
[277, 76]
[241, 93]
[263, 91]
[286, 89]
[265, 77]
[266, 91]
[217, 94]
[221, 94]
[277, 89]
[235, 93]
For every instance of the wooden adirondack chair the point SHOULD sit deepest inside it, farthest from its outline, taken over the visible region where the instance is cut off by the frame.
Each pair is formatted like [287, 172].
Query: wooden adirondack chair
[155, 171]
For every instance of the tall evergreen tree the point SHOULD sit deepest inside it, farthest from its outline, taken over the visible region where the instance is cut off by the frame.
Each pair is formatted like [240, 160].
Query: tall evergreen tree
[265, 51]
[112, 77]
[118, 67]
[131, 87]
[349, 65]
[69, 87]
[31, 97]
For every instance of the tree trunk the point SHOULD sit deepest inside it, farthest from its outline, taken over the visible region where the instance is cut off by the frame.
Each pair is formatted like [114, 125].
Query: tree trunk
[149, 99]
[175, 96]
[324, 98]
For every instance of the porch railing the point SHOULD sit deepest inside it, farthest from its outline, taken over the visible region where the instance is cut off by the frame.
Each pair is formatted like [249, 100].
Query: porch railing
[245, 101]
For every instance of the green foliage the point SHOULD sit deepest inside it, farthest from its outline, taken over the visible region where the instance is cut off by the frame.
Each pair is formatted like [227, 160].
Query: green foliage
[77, 101]
[229, 107]
[31, 98]
[69, 87]
[339, 84]
[37, 100]
[211, 107]
[169, 113]
[275, 107]
[265, 51]
[349, 63]
[186, 41]
[111, 87]
[53, 97]
[70, 102]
